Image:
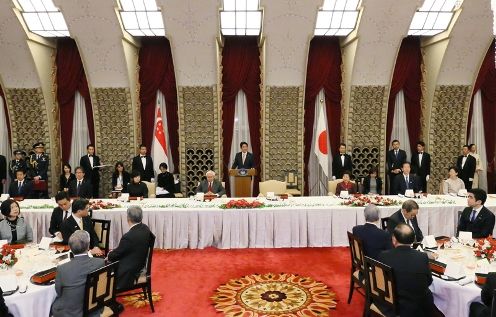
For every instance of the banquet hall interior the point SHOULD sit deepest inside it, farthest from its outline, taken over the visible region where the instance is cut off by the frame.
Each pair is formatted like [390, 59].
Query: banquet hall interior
[191, 80]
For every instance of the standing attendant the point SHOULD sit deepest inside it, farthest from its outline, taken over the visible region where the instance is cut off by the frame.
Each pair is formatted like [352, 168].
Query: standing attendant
[466, 165]
[395, 159]
[91, 173]
[18, 162]
[144, 164]
[38, 168]
[341, 162]
[478, 165]
[421, 165]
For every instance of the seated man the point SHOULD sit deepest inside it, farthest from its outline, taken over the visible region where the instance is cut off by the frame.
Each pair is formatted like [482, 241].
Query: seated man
[60, 213]
[484, 310]
[407, 214]
[80, 187]
[412, 273]
[405, 181]
[79, 220]
[476, 218]
[374, 239]
[21, 187]
[71, 277]
[132, 250]
[211, 185]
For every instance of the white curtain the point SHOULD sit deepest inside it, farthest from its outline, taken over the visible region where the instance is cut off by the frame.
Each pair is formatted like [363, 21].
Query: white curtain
[80, 132]
[317, 180]
[4, 142]
[476, 137]
[162, 105]
[400, 128]
[241, 130]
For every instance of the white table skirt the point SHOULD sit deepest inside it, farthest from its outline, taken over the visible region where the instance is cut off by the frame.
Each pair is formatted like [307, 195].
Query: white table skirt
[37, 299]
[304, 222]
[452, 299]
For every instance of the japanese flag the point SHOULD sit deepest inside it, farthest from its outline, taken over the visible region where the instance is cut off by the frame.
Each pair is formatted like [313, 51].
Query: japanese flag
[320, 140]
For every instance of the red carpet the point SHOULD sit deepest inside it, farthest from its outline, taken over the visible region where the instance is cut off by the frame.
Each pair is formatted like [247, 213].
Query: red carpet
[186, 279]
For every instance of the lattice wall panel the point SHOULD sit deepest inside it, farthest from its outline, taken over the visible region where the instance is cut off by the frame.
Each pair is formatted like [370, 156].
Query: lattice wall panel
[364, 158]
[198, 162]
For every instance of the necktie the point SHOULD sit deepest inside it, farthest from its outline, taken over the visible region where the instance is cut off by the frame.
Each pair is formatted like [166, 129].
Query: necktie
[396, 153]
[210, 186]
[66, 214]
[80, 225]
[407, 183]
[78, 186]
[244, 157]
[19, 190]
[472, 218]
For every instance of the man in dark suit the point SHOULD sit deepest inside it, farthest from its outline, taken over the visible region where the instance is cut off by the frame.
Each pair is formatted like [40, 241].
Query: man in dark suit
[71, 277]
[132, 249]
[3, 172]
[341, 162]
[21, 187]
[476, 218]
[374, 239]
[421, 165]
[395, 159]
[412, 274]
[211, 185]
[144, 164]
[243, 159]
[91, 173]
[466, 164]
[60, 213]
[408, 215]
[80, 187]
[79, 220]
[405, 181]
[484, 310]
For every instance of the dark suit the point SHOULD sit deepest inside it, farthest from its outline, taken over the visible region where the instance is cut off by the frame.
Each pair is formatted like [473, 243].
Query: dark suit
[421, 169]
[126, 178]
[413, 277]
[397, 218]
[131, 254]
[394, 162]
[374, 239]
[467, 171]
[337, 165]
[217, 187]
[64, 182]
[366, 185]
[85, 190]
[56, 220]
[166, 181]
[484, 310]
[69, 226]
[147, 173]
[25, 191]
[70, 285]
[91, 174]
[482, 226]
[3, 171]
[238, 161]
[399, 184]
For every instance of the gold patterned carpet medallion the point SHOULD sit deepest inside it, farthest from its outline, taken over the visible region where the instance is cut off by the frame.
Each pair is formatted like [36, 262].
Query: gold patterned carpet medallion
[270, 294]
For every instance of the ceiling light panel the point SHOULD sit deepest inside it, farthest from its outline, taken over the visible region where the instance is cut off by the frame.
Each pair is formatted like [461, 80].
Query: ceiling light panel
[42, 17]
[141, 18]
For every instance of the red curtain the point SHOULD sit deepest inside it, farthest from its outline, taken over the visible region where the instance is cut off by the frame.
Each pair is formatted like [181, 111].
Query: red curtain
[157, 73]
[407, 76]
[71, 78]
[323, 72]
[486, 82]
[6, 111]
[241, 71]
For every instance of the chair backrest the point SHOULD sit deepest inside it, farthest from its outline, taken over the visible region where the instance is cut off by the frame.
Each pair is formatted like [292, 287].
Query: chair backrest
[493, 304]
[102, 229]
[384, 222]
[152, 189]
[291, 179]
[441, 189]
[331, 186]
[277, 187]
[381, 284]
[100, 288]
[148, 263]
[356, 250]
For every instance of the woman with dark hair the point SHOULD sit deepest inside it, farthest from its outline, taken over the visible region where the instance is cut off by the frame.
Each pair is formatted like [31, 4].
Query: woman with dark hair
[372, 183]
[120, 178]
[453, 184]
[346, 184]
[13, 228]
[66, 177]
[165, 182]
[136, 187]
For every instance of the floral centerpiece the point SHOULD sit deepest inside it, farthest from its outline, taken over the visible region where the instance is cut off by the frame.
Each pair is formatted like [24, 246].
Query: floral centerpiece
[485, 248]
[363, 200]
[241, 203]
[99, 204]
[8, 258]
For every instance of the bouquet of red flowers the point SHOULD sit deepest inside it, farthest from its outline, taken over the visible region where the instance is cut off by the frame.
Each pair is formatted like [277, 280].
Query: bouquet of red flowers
[485, 248]
[8, 258]
[99, 204]
[241, 203]
[363, 200]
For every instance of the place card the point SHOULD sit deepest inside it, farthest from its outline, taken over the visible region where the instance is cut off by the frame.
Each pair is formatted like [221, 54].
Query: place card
[429, 242]
[4, 197]
[409, 193]
[454, 270]
[123, 197]
[344, 194]
[199, 196]
[45, 243]
[270, 195]
[465, 235]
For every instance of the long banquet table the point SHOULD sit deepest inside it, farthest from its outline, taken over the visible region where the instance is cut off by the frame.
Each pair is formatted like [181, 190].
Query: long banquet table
[296, 222]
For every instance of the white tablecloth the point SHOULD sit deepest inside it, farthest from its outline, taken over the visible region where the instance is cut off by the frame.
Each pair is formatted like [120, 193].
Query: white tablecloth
[299, 222]
[452, 299]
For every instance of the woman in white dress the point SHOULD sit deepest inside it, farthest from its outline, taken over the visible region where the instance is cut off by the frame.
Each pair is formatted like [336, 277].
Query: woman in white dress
[453, 184]
[478, 165]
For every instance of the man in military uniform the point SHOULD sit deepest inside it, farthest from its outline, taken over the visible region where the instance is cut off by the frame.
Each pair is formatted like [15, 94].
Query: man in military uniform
[17, 163]
[38, 167]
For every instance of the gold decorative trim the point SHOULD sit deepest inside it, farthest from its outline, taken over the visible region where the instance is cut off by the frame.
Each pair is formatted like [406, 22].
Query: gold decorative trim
[57, 146]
